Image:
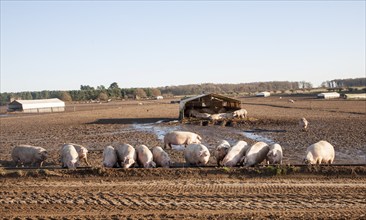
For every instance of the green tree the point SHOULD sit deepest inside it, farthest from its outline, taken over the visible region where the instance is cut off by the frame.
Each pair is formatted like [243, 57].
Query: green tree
[148, 92]
[114, 85]
[36, 95]
[26, 96]
[86, 87]
[45, 94]
[101, 88]
[4, 98]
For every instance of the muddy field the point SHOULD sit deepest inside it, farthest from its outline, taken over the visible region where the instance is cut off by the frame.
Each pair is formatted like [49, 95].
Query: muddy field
[195, 193]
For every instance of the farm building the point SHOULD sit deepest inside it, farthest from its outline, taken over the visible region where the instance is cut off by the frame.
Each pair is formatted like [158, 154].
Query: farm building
[263, 94]
[159, 97]
[328, 95]
[207, 103]
[37, 106]
[355, 96]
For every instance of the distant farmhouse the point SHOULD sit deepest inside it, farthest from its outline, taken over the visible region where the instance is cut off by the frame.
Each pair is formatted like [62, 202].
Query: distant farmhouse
[37, 106]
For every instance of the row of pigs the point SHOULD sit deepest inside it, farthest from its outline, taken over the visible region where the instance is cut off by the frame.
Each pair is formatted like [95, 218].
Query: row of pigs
[195, 153]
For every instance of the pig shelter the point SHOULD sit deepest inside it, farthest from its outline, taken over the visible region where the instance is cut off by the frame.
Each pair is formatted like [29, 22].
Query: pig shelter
[208, 103]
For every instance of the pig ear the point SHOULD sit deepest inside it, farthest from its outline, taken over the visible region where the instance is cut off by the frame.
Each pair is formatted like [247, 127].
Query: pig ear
[199, 137]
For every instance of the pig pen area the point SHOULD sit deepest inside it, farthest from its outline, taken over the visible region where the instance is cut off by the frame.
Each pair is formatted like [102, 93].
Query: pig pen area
[342, 123]
[187, 193]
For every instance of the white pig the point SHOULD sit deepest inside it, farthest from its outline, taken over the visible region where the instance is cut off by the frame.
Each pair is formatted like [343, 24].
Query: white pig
[221, 151]
[235, 153]
[202, 115]
[126, 155]
[145, 157]
[160, 157]
[215, 117]
[82, 152]
[69, 156]
[109, 157]
[241, 113]
[274, 155]
[303, 124]
[198, 114]
[256, 154]
[26, 154]
[320, 152]
[228, 115]
[180, 138]
[196, 154]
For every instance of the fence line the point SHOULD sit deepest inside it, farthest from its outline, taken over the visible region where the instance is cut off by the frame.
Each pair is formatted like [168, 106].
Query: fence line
[83, 107]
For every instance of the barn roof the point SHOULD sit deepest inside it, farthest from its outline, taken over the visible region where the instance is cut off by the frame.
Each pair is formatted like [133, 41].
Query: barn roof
[39, 103]
[184, 101]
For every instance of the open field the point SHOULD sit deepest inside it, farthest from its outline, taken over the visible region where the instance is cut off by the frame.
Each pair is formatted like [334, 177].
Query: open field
[193, 193]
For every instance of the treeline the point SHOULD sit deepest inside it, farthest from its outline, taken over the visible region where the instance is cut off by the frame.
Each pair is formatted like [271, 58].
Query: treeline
[101, 93]
[233, 88]
[344, 83]
[86, 93]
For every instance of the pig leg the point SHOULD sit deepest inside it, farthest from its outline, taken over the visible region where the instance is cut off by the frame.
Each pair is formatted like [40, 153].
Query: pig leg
[319, 161]
[16, 162]
[86, 161]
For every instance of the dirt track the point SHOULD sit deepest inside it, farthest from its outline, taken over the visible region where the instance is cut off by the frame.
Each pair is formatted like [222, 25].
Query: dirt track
[217, 197]
[197, 193]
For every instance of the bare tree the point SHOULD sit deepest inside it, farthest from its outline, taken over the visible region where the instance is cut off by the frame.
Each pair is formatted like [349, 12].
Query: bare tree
[65, 96]
[139, 93]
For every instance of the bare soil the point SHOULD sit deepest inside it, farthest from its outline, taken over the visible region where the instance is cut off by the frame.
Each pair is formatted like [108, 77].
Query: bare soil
[325, 192]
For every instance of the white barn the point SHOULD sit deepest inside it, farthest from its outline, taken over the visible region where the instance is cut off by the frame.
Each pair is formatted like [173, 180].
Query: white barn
[328, 95]
[37, 105]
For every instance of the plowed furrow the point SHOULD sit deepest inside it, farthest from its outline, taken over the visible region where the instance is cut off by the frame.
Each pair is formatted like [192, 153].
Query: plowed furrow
[216, 200]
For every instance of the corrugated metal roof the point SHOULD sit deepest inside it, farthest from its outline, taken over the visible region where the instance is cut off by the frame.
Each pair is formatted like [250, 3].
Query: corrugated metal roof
[39, 103]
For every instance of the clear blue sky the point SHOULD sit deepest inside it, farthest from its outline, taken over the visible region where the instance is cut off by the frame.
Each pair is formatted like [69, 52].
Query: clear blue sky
[60, 45]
